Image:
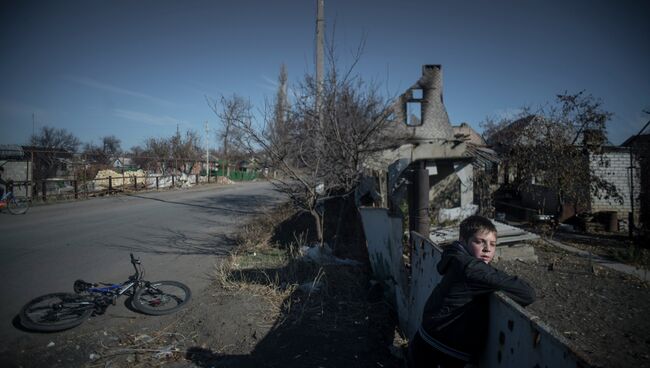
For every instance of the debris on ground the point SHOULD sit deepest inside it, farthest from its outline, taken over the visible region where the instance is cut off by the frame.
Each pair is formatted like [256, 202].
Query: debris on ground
[602, 312]
[323, 255]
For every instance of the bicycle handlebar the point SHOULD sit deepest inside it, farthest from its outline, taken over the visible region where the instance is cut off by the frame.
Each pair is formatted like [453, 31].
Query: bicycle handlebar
[135, 262]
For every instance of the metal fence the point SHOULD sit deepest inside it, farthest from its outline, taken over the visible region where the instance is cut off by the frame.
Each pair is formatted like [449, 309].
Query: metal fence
[62, 189]
[239, 175]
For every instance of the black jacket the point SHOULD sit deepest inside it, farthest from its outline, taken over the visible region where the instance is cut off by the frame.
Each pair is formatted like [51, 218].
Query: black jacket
[456, 314]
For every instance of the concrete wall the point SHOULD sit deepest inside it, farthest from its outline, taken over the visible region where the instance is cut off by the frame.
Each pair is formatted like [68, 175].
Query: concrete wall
[516, 337]
[614, 167]
[452, 185]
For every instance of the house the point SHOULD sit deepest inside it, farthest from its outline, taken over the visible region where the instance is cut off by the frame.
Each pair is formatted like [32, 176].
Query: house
[124, 164]
[600, 173]
[640, 148]
[466, 133]
[49, 162]
[17, 168]
[617, 165]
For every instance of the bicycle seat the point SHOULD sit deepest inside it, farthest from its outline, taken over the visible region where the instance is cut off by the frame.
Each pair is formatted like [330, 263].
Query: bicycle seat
[80, 286]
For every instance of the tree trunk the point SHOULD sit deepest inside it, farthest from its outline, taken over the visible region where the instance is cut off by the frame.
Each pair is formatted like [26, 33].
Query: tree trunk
[339, 223]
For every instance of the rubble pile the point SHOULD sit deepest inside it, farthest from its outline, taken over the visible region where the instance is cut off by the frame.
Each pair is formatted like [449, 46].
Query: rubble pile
[117, 179]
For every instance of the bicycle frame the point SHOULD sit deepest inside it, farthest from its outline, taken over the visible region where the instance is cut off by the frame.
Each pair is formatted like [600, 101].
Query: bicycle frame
[117, 290]
[6, 197]
[59, 311]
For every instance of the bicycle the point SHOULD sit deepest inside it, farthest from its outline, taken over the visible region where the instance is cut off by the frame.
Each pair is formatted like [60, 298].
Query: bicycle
[61, 311]
[15, 205]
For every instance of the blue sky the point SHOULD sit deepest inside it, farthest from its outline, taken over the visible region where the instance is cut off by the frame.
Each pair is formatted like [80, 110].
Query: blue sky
[137, 69]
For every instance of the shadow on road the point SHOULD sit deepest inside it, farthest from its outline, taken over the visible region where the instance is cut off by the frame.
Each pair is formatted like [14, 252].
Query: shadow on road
[172, 241]
[248, 205]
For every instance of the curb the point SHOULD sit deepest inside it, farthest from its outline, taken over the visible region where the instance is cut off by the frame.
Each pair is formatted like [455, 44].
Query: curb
[640, 273]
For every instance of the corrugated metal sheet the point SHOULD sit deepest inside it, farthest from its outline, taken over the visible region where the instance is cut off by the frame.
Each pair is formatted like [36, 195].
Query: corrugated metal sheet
[506, 234]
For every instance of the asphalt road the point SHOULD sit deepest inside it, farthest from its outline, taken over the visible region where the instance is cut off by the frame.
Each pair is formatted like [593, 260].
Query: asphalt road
[178, 235]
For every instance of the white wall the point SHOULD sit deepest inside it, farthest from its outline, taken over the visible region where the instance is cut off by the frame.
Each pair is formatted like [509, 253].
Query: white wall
[614, 167]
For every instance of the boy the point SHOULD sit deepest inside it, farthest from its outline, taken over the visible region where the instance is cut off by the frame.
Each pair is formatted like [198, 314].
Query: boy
[454, 321]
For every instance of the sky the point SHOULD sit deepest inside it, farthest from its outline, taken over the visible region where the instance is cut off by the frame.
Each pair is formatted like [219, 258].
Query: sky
[140, 69]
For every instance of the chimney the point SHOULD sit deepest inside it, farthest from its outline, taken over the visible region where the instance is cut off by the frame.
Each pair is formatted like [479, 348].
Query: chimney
[435, 121]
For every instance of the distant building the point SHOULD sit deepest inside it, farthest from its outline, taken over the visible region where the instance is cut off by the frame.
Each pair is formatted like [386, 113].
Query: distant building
[17, 168]
[124, 163]
[640, 148]
[466, 133]
[607, 163]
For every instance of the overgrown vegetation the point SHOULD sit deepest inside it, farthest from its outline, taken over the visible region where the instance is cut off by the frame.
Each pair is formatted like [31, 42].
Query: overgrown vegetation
[551, 147]
[319, 148]
[318, 302]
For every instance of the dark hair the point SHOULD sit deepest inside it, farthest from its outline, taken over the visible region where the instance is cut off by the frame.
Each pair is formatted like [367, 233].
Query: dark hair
[475, 224]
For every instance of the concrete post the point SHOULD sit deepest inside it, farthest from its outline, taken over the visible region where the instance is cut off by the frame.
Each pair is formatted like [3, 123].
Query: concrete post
[422, 222]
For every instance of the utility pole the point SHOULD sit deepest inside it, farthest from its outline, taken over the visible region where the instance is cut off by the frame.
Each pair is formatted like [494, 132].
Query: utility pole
[320, 30]
[631, 224]
[207, 150]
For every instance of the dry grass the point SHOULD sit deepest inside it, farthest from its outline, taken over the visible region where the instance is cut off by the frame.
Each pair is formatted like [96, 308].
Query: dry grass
[255, 266]
[292, 286]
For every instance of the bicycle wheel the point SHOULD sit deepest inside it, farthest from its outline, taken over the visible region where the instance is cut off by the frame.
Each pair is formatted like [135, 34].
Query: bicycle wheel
[55, 312]
[18, 205]
[161, 297]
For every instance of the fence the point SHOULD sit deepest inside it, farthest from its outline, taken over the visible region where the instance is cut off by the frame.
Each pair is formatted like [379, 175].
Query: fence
[59, 189]
[516, 338]
[239, 175]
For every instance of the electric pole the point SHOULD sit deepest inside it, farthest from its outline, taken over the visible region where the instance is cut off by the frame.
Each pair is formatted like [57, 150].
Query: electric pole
[207, 150]
[320, 30]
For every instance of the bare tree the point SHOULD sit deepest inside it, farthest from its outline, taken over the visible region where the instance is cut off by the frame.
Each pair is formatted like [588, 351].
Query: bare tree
[180, 152]
[158, 153]
[231, 111]
[50, 145]
[322, 152]
[103, 154]
[552, 148]
[185, 150]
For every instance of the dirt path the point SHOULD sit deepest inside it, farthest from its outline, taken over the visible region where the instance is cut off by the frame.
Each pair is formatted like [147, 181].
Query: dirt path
[334, 327]
[265, 306]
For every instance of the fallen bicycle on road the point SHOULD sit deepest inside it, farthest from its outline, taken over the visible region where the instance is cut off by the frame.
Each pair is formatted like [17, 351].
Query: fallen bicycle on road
[61, 311]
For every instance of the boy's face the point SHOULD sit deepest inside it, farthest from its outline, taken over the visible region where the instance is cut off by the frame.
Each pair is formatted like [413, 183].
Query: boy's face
[482, 245]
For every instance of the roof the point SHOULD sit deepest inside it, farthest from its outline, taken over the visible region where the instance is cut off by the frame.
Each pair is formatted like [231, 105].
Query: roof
[642, 139]
[483, 156]
[123, 161]
[59, 152]
[466, 133]
[11, 151]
